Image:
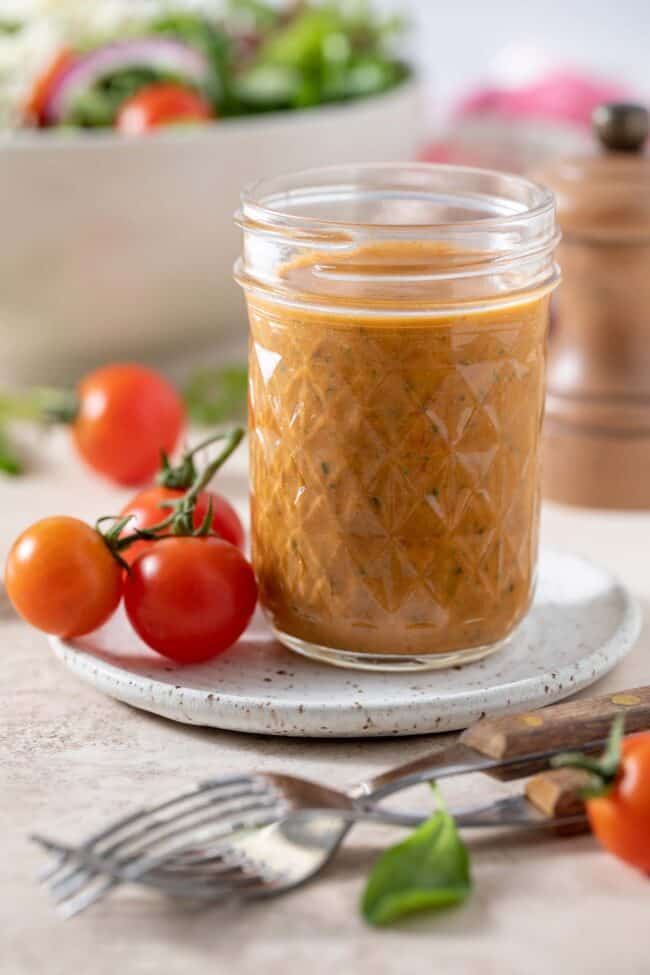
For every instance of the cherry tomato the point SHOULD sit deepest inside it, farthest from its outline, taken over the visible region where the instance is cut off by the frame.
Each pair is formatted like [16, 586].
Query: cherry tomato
[147, 511]
[62, 578]
[190, 598]
[42, 88]
[127, 415]
[621, 819]
[162, 104]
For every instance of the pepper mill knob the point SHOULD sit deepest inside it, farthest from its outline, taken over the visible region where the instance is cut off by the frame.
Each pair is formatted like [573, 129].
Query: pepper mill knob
[621, 126]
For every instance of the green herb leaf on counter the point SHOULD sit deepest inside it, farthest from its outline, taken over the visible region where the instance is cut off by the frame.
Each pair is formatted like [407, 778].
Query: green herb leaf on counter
[429, 870]
[217, 395]
[9, 461]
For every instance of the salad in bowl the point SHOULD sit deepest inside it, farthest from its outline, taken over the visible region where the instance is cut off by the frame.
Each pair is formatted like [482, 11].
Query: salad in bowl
[134, 65]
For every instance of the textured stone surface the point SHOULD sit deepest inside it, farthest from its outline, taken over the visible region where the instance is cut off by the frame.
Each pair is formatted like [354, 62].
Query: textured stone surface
[70, 758]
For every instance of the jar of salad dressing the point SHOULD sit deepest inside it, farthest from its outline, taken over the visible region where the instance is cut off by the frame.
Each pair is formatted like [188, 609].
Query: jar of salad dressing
[398, 318]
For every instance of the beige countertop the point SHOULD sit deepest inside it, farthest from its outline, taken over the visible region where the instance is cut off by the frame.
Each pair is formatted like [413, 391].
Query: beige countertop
[70, 758]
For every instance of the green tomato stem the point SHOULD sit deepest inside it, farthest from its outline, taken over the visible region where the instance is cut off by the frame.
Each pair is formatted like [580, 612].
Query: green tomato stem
[180, 521]
[233, 440]
[604, 770]
[181, 476]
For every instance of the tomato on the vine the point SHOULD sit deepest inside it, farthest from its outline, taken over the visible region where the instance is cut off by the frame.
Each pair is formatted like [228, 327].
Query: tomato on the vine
[163, 103]
[621, 817]
[190, 598]
[188, 594]
[126, 416]
[62, 577]
[147, 509]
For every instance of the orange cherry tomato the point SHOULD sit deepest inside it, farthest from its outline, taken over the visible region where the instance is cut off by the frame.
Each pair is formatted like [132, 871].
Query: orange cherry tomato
[62, 578]
[127, 415]
[39, 95]
[190, 598]
[621, 819]
[162, 104]
[147, 511]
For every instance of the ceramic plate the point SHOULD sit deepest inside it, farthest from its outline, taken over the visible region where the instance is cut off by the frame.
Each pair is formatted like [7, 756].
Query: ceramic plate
[581, 624]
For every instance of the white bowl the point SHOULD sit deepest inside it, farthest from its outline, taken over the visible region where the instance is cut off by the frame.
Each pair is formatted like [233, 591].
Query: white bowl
[119, 247]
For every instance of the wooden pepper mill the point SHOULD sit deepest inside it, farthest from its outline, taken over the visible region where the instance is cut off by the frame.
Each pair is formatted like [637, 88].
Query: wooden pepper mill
[597, 427]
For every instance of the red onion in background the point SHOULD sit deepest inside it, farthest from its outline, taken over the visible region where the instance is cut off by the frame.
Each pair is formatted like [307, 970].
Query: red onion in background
[160, 53]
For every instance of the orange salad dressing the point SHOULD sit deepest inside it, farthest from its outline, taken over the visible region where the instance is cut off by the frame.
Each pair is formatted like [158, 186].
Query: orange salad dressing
[395, 458]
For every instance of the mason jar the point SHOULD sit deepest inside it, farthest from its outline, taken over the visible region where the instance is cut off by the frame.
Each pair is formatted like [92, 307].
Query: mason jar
[398, 319]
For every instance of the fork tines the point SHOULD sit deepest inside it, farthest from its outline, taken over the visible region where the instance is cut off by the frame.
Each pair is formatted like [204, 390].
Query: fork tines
[173, 846]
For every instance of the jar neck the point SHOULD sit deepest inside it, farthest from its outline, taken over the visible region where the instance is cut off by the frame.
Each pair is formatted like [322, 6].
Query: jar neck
[295, 252]
[387, 276]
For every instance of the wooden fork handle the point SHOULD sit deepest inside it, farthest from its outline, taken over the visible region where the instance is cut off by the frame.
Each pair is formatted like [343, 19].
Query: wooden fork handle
[557, 794]
[569, 726]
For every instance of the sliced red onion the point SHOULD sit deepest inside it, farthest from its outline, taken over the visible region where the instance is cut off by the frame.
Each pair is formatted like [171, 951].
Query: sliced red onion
[160, 53]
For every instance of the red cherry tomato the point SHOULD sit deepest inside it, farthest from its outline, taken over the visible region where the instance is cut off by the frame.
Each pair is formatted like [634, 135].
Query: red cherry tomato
[146, 509]
[190, 598]
[127, 415]
[42, 88]
[62, 578]
[162, 104]
[621, 819]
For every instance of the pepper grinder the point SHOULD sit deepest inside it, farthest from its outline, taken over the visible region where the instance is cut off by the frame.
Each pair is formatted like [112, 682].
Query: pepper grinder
[597, 426]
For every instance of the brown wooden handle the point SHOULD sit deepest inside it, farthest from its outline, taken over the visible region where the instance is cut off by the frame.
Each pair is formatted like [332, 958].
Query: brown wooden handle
[570, 725]
[557, 794]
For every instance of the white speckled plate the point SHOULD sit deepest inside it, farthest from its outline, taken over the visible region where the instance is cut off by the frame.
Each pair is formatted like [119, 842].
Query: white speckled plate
[581, 624]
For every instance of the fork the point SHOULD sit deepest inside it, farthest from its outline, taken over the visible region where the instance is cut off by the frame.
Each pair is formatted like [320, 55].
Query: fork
[255, 835]
[246, 861]
[264, 833]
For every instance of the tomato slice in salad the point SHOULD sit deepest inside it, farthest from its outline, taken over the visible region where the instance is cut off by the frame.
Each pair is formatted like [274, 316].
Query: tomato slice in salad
[39, 96]
[162, 104]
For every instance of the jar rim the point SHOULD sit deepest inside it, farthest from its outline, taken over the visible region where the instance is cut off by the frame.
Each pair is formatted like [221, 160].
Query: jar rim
[284, 202]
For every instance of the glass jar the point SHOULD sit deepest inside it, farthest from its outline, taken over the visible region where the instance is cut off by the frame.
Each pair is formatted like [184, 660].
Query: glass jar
[398, 318]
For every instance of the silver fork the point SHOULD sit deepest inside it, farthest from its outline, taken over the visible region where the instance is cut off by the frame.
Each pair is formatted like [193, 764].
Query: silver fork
[265, 862]
[220, 807]
[256, 835]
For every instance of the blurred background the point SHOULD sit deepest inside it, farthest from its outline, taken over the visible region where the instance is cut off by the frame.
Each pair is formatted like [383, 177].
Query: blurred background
[117, 197]
[459, 45]
[527, 75]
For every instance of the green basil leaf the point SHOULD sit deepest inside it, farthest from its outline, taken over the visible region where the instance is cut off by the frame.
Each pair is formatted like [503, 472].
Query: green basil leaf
[9, 460]
[8, 26]
[217, 395]
[428, 870]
